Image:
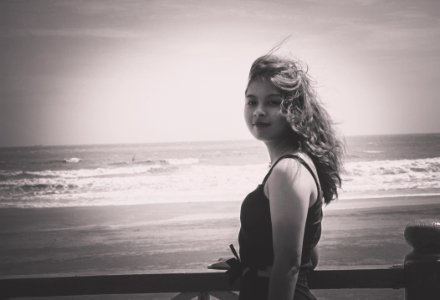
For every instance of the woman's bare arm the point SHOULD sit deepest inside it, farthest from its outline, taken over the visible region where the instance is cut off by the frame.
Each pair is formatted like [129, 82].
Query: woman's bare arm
[289, 189]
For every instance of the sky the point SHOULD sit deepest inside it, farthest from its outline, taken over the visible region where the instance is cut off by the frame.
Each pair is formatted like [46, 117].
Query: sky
[108, 71]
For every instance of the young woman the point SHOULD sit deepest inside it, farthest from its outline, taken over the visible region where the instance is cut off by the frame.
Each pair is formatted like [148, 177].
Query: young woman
[281, 219]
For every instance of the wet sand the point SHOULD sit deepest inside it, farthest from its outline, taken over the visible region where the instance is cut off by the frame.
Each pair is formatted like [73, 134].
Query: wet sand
[187, 237]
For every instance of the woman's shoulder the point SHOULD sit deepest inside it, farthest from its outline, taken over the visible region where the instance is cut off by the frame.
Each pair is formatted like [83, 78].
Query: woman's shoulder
[294, 161]
[291, 164]
[293, 170]
[289, 167]
[307, 162]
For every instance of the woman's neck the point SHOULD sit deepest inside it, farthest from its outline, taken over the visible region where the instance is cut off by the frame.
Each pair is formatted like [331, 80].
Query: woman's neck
[282, 147]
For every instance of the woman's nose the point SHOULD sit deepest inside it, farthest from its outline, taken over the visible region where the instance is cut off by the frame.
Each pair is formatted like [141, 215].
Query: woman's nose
[258, 112]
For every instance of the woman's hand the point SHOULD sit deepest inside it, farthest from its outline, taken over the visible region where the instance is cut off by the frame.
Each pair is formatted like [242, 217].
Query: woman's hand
[221, 264]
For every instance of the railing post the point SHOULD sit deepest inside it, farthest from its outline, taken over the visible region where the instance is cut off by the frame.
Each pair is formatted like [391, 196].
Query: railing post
[422, 265]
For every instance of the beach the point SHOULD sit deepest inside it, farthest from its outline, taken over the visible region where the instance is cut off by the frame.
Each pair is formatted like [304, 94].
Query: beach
[186, 237]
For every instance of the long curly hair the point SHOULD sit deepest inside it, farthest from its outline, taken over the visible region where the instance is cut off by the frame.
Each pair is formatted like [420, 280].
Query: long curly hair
[310, 122]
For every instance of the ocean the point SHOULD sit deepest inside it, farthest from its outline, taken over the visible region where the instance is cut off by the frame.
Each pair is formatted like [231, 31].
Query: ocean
[126, 174]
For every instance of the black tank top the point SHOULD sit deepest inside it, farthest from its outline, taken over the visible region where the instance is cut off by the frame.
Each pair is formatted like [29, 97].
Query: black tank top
[255, 237]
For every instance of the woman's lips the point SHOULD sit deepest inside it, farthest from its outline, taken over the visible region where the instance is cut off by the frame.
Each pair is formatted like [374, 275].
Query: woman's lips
[260, 124]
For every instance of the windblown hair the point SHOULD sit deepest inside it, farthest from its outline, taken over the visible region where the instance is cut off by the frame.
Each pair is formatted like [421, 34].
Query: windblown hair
[311, 123]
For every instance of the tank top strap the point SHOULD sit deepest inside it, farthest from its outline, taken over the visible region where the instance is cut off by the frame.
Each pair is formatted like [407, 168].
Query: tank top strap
[304, 163]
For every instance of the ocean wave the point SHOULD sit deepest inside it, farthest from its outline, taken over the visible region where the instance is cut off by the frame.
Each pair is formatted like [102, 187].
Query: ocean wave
[182, 161]
[170, 161]
[45, 187]
[29, 189]
[14, 175]
[372, 151]
[114, 170]
[184, 180]
[385, 167]
[52, 186]
[72, 160]
[383, 175]
[139, 162]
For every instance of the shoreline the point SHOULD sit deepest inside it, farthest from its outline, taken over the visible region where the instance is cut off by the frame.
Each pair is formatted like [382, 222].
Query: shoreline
[386, 201]
[350, 202]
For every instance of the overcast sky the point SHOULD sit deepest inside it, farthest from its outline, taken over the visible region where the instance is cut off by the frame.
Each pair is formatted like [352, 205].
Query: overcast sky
[90, 72]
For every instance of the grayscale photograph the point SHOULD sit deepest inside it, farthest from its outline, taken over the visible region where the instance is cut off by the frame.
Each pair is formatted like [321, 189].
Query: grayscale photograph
[228, 149]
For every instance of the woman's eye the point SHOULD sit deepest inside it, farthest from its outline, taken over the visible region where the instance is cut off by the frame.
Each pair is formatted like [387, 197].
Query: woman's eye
[275, 102]
[251, 102]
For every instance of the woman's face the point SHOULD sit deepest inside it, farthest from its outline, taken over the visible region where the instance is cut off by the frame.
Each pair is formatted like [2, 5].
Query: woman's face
[262, 111]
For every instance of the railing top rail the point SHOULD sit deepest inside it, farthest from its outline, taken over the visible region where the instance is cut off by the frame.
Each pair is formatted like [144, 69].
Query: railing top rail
[359, 277]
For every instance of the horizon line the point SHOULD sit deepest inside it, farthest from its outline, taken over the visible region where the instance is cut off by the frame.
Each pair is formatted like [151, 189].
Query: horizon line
[199, 141]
